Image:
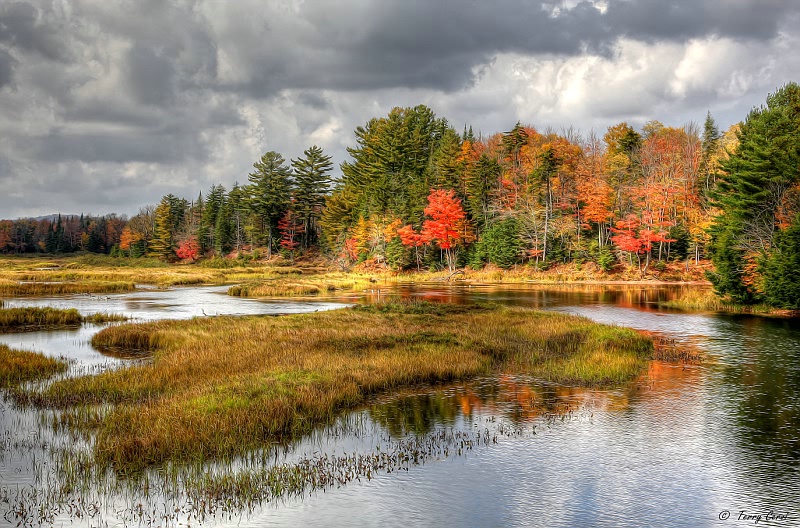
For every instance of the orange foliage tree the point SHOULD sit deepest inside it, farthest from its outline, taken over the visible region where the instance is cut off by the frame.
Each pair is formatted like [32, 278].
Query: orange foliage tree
[446, 224]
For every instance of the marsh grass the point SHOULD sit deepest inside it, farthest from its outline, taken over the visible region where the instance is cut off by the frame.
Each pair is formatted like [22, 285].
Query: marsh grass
[19, 366]
[40, 318]
[274, 290]
[37, 317]
[223, 386]
[24, 289]
[706, 300]
[290, 284]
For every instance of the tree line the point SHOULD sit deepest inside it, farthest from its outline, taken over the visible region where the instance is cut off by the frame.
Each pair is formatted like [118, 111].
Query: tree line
[417, 193]
[67, 234]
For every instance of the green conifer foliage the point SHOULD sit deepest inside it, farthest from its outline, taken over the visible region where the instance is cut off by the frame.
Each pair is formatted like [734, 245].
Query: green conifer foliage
[270, 192]
[782, 269]
[312, 184]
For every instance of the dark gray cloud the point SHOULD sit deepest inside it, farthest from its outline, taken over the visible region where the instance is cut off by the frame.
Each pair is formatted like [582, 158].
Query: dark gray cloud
[150, 76]
[440, 45]
[161, 148]
[6, 68]
[185, 93]
[22, 27]
[653, 20]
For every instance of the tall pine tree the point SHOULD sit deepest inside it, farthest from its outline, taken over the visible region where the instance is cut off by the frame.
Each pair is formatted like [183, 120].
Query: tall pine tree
[750, 189]
[270, 193]
[311, 186]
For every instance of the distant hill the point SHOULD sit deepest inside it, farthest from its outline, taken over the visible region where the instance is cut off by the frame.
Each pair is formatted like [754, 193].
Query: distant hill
[52, 217]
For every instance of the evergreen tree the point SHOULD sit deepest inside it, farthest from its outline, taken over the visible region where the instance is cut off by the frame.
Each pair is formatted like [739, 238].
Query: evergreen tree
[482, 181]
[270, 193]
[222, 231]
[212, 209]
[500, 244]
[750, 189]
[162, 242]
[389, 175]
[239, 214]
[711, 137]
[782, 269]
[445, 161]
[202, 228]
[728, 277]
[513, 142]
[312, 184]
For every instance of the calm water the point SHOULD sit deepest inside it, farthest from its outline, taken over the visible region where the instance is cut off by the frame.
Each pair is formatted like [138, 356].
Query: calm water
[678, 447]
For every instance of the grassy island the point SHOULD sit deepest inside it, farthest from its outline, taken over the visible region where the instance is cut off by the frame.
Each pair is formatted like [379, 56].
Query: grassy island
[220, 386]
[46, 318]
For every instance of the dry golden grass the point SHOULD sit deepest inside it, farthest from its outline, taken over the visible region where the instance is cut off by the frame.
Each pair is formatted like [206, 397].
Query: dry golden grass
[18, 366]
[292, 285]
[220, 386]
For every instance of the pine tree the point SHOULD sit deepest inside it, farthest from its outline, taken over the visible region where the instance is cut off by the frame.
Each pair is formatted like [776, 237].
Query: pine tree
[212, 209]
[161, 245]
[270, 193]
[481, 183]
[782, 269]
[197, 219]
[513, 142]
[311, 186]
[501, 244]
[711, 137]
[750, 189]
[239, 211]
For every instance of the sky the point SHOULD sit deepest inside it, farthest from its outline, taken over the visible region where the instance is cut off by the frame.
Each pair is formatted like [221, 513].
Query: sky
[107, 105]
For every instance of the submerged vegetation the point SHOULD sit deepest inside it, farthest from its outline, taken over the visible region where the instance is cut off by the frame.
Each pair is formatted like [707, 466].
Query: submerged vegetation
[223, 386]
[19, 366]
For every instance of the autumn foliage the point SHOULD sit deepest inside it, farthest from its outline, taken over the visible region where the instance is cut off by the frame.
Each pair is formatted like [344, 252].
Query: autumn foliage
[188, 249]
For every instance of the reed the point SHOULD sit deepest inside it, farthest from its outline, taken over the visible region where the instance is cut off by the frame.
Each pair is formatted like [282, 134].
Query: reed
[19, 366]
[221, 386]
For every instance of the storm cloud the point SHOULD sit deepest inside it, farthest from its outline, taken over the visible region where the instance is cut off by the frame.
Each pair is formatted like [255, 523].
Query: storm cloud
[107, 105]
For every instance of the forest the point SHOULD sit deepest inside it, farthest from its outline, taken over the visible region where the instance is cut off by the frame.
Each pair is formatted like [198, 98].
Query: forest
[417, 193]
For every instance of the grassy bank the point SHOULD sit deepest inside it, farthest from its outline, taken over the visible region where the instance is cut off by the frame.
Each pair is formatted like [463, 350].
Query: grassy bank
[279, 277]
[708, 301]
[18, 366]
[220, 386]
[38, 318]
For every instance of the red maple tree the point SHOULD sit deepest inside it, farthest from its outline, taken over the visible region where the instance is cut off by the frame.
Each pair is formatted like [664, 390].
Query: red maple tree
[188, 249]
[446, 224]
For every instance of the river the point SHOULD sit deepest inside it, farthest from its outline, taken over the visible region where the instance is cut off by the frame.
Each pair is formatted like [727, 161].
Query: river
[684, 445]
